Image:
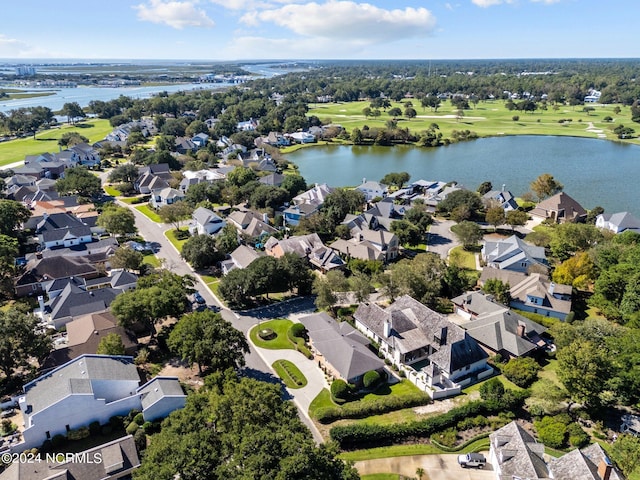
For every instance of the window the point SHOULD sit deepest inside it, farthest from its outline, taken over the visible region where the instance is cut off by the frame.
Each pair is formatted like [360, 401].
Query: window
[48, 434]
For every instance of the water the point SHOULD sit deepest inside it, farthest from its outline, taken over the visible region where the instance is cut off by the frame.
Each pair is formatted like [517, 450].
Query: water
[594, 172]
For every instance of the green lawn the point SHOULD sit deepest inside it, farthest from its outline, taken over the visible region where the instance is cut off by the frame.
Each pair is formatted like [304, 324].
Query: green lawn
[490, 118]
[463, 258]
[476, 386]
[147, 211]
[152, 260]
[409, 450]
[281, 341]
[290, 374]
[47, 141]
[171, 235]
[114, 192]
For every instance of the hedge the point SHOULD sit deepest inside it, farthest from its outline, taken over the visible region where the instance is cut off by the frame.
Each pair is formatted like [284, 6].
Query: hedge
[362, 435]
[339, 389]
[366, 409]
[371, 379]
[462, 446]
[295, 335]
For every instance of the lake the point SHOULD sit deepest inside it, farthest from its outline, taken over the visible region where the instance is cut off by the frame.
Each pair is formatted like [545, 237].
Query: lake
[594, 172]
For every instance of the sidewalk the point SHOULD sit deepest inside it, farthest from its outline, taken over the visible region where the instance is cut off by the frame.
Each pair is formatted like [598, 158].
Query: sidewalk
[302, 397]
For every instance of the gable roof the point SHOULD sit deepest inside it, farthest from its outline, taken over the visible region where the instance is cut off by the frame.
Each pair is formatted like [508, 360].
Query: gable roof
[582, 464]
[621, 221]
[243, 256]
[205, 216]
[74, 301]
[565, 208]
[158, 388]
[517, 453]
[512, 251]
[56, 267]
[341, 345]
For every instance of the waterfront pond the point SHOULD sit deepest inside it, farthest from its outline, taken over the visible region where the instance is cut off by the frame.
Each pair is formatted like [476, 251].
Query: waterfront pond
[594, 172]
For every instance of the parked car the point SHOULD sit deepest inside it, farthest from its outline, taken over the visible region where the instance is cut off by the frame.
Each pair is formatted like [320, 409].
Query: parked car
[475, 460]
[199, 298]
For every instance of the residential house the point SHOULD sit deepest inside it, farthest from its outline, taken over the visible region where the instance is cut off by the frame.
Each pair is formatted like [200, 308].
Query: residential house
[515, 454]
[273, 179]
[533, 293]
[241, 257]
[200, 140]
[252, 224]
[372, 189]
[59, 229]
[502, 198]
[91, 388]
[370, 245]
[110, 461]
[560, 208]
[195, 177]
[618, 222]
[185, 145]
[165, 196]
[302, 137]
[87, 154]
[630, 424]
[121, 133]
[305, 246]
[152, 177]
[259, 159]
[42, 270]
[205, 222]
[96, 252]
[247, 125]
[496, 328]
[435, 354]
[513, 254]
[306, 204]
[83, 336]
[341, 348]
[276, 139]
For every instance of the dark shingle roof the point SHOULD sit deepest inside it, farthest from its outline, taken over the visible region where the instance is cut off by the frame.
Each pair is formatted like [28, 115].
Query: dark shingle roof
[518, 453]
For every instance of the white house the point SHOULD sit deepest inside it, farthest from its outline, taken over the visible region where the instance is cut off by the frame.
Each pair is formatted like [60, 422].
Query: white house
[373, 189]
[303, 137]
[513, 254]
[205, 222]
[618, 222]
[91, 388]
[165, 196]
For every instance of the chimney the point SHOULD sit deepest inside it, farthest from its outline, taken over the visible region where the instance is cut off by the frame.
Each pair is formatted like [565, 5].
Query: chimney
[520, 330]
[387, 328]
[364, 180]
[552, 287]
[41, 303]
[504, 187]
[443, 335]
[604, 468]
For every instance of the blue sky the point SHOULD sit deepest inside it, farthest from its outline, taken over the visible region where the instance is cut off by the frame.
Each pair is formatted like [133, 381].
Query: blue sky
[319, 29]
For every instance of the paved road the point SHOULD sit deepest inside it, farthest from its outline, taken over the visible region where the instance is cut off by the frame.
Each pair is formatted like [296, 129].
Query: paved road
[440, 239]
[436, 467]
[256, 366]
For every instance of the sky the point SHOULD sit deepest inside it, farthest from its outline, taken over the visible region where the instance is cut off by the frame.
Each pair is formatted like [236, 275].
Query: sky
[319, 29]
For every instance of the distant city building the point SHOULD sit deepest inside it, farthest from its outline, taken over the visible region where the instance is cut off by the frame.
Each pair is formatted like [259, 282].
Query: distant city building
[25, 70]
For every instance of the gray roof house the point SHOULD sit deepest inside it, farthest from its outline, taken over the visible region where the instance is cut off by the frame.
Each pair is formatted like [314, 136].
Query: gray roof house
[273, 179]
[165, 196]
[502, 198]
[241, 257]
[533, 293]
[251, 223]
[309, 246]
[369, 245]
[40, 271]
[344, 350]
[118, 459]
[618, 222]
[87, 389]
[436, 354]
[590, 463]
[372, 189]
[515, 453]
[74, 301]
[560, 208]
[513, 254]
[205, 222]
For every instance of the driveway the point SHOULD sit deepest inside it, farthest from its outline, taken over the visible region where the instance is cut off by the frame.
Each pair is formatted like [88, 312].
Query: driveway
[436, 467]
[441, 239]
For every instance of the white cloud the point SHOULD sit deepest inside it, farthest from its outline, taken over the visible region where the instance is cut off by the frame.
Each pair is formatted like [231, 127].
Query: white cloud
[252, 4]
[14, 48]
[174, 13]
[546, 2]
[357, 23]
[489, 3]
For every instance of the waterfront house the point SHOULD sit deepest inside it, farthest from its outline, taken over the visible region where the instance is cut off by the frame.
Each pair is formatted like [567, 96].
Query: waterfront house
[513, 254]
[560, 208]
[618, 222]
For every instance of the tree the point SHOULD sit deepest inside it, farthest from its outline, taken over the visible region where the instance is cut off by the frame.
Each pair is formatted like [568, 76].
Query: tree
[240, 176]
[551, 432]
[582, 366]
[293, 184]
[340, 202]
[356, 136]
[418, 216]
[227, 239]
[207, 339]
[117, 220]
[8, 252]
[545, 186]
[127, 258]
[111, 344]
[499, 290]
[12, 215]
[395, 112]
[468, 233]
[420, 472]
[407, 232]
[73, 110]
[79, 181]
[624, 132]
[200, 251]
[495, 216]
[125, 173]
[360, 284]
[466, 199]
[175, 213]
[522, 371]
[325, 298]
[516, 218]
[69, 139]
[625, 451]
[410, 112]
[157, 296]
[578, 271]
[485, 187]
[21, 340]
[396, 178]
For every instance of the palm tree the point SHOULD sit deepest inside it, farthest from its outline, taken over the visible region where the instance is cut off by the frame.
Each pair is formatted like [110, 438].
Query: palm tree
[420, 472]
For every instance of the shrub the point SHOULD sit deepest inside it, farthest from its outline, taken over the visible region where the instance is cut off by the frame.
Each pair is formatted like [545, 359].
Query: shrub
[106, 429]
[521, 371]
[148, 428]
[79, 434]
[379, 406]
[116, 422]
[297, 330]
[491, 390]
[447, 437]
[340, 389]
[515, 118]
[58, 441]
[94, 428]
[371, 379]
[140, 439]
[46, 446]
[577, 436]
[139, 419]
[551, 432]
[132, 428]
